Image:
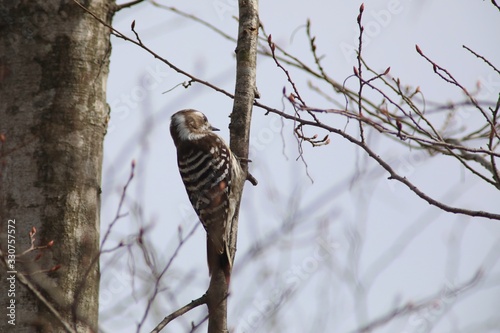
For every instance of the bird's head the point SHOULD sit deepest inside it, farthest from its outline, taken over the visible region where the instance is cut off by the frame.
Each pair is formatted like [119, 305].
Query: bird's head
[189, 125]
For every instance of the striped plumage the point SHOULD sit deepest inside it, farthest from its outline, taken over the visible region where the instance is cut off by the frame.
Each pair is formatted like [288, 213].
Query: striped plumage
[207, 168]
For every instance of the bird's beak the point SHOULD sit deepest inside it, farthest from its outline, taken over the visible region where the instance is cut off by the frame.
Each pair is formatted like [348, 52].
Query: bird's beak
[215, 129]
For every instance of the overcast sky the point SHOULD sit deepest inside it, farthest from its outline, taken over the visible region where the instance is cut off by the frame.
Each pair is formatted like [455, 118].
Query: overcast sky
[359, 246]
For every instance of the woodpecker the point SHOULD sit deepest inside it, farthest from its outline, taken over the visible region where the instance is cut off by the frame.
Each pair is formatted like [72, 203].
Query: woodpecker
[209, 171]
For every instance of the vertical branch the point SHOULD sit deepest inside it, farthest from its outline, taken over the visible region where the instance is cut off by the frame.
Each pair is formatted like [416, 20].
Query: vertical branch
[245, 91]
[245, 88]
[244, 96]
[491, 146]
[358, 72]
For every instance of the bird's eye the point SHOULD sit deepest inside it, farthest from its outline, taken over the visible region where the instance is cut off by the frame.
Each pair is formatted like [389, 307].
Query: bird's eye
[205, 118]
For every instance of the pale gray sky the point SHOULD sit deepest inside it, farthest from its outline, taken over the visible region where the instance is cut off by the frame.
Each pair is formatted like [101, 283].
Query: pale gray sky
[431, 249]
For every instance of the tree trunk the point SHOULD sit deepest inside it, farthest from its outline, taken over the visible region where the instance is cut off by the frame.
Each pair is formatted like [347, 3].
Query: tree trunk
[244, 95]
[53, 114]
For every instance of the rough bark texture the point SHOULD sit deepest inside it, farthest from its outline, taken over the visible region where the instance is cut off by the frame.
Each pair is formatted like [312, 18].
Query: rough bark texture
[246, 57]
[53, 114]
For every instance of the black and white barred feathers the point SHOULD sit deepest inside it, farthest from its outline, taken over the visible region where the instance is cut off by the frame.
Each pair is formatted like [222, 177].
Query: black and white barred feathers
[208, 169]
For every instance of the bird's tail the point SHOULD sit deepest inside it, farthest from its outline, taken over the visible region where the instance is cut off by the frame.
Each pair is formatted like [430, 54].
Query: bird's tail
[218, 261]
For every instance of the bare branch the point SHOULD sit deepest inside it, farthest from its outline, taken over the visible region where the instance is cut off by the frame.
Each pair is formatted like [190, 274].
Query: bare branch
[393, 174]
[156, 291]
[193, 304]
[446, 76]
[272, 47]
[47, 303]
[495, 172]
[412, 307]
[359, 71]
[21, 278]
[154, 54]
[195, 19]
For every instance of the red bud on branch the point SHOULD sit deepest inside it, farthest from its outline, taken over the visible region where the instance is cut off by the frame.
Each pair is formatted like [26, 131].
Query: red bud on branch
[32, 232]
[55, 268]
[271, 44]
[399, 126]
[355, 71]
[418, 49]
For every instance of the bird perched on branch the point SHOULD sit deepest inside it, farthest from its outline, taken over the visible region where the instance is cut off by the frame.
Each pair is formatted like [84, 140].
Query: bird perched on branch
[209, 171]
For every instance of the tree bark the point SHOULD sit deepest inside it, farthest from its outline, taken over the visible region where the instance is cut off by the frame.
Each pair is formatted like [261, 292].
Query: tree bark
[54, 61]
[245, 90]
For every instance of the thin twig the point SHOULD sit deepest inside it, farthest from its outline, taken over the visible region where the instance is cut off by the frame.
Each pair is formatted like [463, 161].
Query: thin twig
[118, 214]
[482, 58]
[32, 247]
[292, 98]
[132, 27]
[154, 54]
[47, 303]
[194, 326]
[151, 299]
[412, 307]
[272, 47]
[128, 4]
[450, 79]
[195, 19]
